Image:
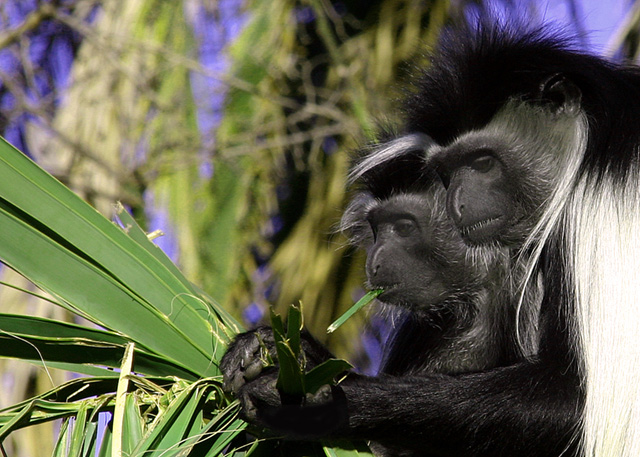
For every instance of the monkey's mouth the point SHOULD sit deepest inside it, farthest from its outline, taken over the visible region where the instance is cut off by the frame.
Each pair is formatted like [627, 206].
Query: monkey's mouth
[387, 290]
[383, 287]
[485, 230]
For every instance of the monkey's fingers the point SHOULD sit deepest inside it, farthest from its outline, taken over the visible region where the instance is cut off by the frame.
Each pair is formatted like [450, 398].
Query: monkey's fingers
[245, 359]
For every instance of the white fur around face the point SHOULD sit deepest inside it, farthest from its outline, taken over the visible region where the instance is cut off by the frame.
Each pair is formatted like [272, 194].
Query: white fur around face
[597, 220]
[604, 224]
[387, 151]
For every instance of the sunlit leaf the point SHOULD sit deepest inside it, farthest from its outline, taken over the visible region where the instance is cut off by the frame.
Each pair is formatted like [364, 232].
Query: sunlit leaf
[81, 349]
[68, 249]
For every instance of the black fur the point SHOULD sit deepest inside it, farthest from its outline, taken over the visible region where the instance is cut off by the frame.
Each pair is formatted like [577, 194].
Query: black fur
[475, 71]
[517, 404]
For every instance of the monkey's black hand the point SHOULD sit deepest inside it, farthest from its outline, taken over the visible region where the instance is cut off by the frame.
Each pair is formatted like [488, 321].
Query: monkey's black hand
[247, 376]
[246, 358]
[318, 415]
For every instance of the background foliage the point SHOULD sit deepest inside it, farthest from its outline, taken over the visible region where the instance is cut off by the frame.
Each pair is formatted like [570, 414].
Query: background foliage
[228, 125]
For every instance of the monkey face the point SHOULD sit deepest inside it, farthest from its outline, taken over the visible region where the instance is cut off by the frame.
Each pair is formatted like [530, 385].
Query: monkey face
[415, 253]
[498, 178]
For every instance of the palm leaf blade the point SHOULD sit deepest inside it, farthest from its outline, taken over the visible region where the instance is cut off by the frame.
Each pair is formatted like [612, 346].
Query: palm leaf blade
[64, 246]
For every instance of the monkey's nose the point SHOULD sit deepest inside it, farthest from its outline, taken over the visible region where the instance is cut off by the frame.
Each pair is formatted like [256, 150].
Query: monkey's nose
[372, 270]
[455, 207]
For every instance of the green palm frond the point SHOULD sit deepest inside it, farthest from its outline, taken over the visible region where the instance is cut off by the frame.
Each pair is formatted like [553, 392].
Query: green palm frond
[155, 359]
[93, 268]
[119, 280]
[131, 92]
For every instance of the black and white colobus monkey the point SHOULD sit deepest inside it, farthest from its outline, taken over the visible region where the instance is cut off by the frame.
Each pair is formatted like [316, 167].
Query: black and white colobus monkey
[536, 152]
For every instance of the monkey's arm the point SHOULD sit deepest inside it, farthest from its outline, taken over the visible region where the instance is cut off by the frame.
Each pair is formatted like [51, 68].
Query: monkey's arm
[524, 410]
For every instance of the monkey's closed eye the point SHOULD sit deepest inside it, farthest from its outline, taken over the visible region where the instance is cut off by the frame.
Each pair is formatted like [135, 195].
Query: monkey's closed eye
[404, 227]
[483, 164]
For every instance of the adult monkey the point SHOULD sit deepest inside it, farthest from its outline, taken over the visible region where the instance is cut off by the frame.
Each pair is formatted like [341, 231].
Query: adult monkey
[538, 145]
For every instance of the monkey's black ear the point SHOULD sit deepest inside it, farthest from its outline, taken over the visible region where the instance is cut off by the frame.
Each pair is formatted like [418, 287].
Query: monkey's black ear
[560, 94]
